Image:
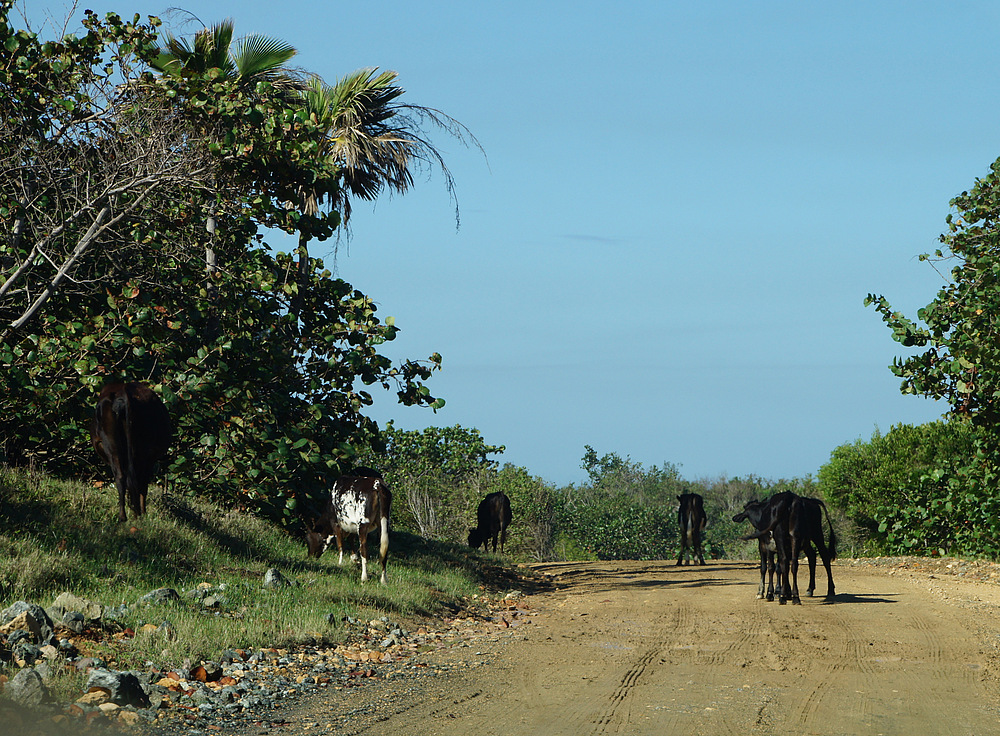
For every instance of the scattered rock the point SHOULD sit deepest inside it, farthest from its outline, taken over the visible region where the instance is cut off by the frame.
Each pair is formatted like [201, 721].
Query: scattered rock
[74, 621]
[27, 617]
[160, 596]
[67, 648]
[89, 610]
[123, 688]
[115, 613]
[25, 653]
[27, 688]
[85, 663]
[274, 579]
[129, 718]
[94, 698]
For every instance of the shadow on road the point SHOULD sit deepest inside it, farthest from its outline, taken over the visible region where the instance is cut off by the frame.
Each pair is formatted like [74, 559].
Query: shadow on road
[852, 598]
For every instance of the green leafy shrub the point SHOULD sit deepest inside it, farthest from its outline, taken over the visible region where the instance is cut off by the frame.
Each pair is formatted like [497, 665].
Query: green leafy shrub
[885, 475]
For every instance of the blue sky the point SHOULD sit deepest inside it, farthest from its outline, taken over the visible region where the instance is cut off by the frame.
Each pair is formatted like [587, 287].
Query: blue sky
[683, 207]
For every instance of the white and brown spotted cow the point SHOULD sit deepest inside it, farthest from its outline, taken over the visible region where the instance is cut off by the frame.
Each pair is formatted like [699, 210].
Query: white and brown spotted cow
[357, 505]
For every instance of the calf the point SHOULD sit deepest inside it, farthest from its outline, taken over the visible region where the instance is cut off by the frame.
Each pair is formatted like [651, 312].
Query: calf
[357, 505]
[787, 525]
[691, 519]
[130, 431]
[753, 511]
[492, 519]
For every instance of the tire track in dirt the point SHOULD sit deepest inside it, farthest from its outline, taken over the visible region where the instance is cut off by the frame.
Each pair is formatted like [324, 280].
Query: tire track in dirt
[851, 664]
[611, 720]
[648, 649]
[618, 709]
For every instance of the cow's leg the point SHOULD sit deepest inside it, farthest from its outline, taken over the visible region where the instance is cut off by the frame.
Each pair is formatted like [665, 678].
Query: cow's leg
[827, 555]
[133, 495]
[363, 550]
[143, 476]
[122, 492]
[830, 592]
[682, 525]
[763, 573]
[811, 557]
[772, 561]
[503, 538]
[339, 534]
[794, 573]
[783, 555]
[697, 547]
[383, 547]
[122, 516]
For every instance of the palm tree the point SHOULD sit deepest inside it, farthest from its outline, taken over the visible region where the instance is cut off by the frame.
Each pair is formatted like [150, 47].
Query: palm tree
[254, 58]
[373, 140]
[376, 140]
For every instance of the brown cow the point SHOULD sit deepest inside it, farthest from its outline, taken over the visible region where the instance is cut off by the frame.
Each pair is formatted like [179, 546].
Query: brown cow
[130, 431]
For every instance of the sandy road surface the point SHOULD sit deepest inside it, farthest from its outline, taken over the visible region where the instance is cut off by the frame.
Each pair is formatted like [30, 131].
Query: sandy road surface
[651, 648]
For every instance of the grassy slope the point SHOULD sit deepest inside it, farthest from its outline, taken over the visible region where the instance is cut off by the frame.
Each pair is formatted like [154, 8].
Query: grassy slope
[62, 535]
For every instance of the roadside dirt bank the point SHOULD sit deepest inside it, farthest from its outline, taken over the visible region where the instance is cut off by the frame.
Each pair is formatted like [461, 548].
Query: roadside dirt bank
[909, 647]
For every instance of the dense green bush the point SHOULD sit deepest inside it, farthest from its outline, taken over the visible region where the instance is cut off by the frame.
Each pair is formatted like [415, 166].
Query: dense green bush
[615, 527]
[952, 510]
[881, 479]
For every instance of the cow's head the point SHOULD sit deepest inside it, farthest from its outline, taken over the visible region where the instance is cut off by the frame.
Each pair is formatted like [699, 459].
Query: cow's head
[753, 511]
[476, 538]
[316, 544]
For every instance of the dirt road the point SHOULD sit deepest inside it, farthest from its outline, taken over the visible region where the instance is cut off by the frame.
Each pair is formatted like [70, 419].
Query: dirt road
[651, 648]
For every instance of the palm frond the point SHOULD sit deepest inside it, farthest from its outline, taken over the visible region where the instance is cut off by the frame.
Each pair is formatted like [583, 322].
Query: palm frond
[377, 141]
[220, 36]
[257, 56]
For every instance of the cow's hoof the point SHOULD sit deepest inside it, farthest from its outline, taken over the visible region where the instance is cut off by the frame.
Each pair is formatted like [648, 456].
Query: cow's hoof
[809, 593]
[770, 598]
[782, 601]
[796, 602]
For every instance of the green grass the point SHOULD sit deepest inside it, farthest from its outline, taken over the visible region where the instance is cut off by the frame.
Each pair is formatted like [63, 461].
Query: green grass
[64, 536]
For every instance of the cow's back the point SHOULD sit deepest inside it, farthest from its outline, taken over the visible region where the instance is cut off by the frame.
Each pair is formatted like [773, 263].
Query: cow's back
[494, 512]
[150, 421]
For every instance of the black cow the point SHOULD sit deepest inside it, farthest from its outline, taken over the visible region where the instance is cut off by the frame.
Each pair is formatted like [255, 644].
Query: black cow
[357, 505]
[691, 520]
[753, 511]
[787, 525]
[492, 519]
[130, 431]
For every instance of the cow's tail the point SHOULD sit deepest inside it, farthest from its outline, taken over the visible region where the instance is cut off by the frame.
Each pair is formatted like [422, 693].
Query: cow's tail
[833, 535]
[122, 411]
